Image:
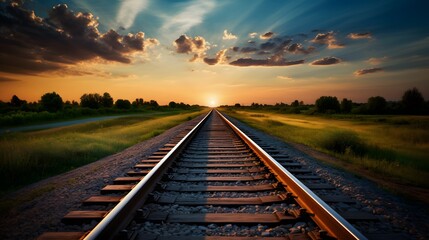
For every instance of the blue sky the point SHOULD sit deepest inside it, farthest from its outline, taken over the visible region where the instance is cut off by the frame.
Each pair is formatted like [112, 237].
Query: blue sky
[229, 51]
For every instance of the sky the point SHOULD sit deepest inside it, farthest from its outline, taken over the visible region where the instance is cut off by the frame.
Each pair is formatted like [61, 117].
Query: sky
[214, 52]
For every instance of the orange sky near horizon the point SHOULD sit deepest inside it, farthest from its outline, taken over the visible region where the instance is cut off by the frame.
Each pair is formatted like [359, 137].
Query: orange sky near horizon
[203, 52]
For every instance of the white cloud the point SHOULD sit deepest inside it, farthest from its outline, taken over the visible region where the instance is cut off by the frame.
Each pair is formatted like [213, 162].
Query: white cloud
[128, 12]
[253, 34]
[284, 77]
[191, 16]
[228, 36]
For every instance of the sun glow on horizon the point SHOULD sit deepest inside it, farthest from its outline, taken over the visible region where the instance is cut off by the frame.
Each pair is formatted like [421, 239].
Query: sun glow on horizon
[212, 103]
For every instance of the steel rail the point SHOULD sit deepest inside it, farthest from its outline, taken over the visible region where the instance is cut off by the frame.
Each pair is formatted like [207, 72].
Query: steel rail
[324, 216]
[120, 216]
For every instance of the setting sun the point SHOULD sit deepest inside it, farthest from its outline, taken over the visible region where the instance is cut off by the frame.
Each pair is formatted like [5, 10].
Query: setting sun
[212, 103]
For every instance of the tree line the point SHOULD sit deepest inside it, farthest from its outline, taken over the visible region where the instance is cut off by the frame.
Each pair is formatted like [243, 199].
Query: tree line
[52, 107]
[53, 102]
[412, 102]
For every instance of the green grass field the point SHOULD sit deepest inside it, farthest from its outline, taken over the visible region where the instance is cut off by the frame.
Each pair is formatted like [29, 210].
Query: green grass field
[31, 156]
[395, 148]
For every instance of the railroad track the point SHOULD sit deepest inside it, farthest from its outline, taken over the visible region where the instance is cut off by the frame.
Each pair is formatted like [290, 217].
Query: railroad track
[214, 182]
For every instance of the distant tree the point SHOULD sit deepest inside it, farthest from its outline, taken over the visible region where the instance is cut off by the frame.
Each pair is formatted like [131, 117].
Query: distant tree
[376, 105]
[52, 102]
[413, 101]
[172, 104]
[138, 102]
[91, 100]
[327, 104]
[122, 104]
[346, 105]
[255, 105]
[107, 100]
[153, 103]
[237, 105]
[301, 103]
[16, 102]
[295, 103]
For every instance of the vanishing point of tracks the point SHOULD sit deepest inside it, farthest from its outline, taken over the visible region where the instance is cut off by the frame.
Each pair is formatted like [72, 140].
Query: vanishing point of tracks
[212, 182]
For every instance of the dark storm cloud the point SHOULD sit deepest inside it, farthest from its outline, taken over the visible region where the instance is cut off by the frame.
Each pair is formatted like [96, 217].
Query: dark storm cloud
[185, 44]
[31, 45]
[366, 71]
[326, 61]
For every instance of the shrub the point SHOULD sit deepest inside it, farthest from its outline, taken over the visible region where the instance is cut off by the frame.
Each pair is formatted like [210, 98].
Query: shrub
[344, 142]
[327, 104]
[413, 101]
[376, 105]
[52, 102]
[123, 104]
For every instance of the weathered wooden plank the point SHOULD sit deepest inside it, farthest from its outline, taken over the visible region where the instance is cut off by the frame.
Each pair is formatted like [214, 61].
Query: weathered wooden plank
[102, 200]
[124, 180]
[217, 156]
[61, 235]
[237, 218]
[116, 188]
[218, 152]
[150, 161]
[239, 170]
[138, 173]
[176, 177]
[203, 160]
[83, 216]
[213, 165]
[145, 165]
[221, 201]
[256, 188]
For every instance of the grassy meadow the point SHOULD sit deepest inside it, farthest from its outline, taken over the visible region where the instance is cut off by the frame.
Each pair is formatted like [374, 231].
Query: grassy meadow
[392, 148]
[27, 157]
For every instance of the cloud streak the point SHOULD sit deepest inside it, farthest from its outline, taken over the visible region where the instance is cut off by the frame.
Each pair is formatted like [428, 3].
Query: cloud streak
[192, 15]
[367, 71]
[128, 12]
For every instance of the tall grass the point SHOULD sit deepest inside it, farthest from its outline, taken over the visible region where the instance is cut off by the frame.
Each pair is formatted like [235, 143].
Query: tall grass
[28, 157]
[395, 148]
